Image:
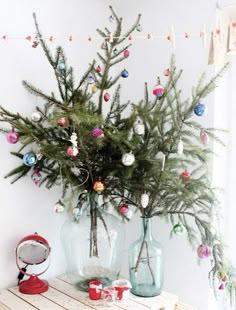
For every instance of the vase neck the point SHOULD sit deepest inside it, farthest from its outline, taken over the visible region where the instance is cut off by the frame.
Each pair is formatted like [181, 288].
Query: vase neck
[146, 231]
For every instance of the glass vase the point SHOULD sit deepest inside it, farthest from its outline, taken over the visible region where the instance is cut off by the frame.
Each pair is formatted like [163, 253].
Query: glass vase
[93, 245]
[146, 263]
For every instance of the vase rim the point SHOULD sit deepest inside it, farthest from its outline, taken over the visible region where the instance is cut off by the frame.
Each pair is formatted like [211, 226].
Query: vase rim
[146, 216]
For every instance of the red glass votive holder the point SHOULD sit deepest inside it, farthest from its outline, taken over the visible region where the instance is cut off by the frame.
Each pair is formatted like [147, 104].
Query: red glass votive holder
[95, 290]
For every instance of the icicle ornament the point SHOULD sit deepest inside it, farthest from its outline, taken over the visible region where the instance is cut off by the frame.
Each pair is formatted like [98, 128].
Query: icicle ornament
[180, 148]
[144, 200]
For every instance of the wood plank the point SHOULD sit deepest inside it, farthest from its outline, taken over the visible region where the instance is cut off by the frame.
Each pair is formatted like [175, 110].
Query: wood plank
[11, 301]
[3, 307]
[64, 300]
[183, 307]
[38, 300]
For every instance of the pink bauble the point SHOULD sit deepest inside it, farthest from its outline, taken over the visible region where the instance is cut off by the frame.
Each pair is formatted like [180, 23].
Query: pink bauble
[98, 69]
[97, 133]
[158, 90]
[123, 208]
[166, 72]
[204, 138]
[203, 251]
[12, 137]
[72, 151]
[126, 53]
[106, 97]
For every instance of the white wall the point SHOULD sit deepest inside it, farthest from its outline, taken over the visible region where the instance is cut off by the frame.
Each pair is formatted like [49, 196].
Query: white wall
[26, 208]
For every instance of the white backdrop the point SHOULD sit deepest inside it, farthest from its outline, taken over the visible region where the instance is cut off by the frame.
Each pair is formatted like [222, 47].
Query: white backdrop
[26, 208]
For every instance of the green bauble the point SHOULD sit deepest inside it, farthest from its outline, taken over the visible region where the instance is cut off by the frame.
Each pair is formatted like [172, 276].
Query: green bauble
[179, 229]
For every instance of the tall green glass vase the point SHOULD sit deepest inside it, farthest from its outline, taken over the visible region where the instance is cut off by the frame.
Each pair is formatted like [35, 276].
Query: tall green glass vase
[146, 263]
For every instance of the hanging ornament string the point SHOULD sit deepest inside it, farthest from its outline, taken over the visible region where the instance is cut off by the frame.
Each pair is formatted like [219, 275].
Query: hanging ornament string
[171, 37]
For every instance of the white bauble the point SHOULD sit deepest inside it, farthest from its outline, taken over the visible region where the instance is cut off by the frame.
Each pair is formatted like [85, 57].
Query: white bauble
[36, 117]
[139, 129]
[128, 159]
[59, 207]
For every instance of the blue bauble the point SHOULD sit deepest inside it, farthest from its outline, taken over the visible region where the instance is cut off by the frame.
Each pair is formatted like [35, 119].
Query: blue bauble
[200, 109]
[30, 159]
[124, 73]
[61, 68]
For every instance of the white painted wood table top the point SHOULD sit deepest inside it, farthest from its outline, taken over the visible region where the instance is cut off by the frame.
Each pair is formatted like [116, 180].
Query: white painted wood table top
[63, 295]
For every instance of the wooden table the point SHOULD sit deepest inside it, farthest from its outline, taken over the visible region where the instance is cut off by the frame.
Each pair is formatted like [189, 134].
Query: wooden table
[63, 295]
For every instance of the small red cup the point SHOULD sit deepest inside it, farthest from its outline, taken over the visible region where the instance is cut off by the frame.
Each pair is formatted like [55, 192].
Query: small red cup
[95, 290]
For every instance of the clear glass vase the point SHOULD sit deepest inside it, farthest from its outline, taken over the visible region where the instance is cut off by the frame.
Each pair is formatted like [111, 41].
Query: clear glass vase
[93, 246]
[146, 263]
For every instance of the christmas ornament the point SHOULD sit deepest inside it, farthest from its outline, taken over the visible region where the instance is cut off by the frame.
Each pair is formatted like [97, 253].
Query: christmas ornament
[144, 200]
[126, 53]
[63, 121]
[111, 18]
[13, 136]
[99, 186]
[179, 229]
[186, 176]
[106, 97]
[36, 177]
[94, 89]
[224, 278]
[124, 73]
[124, 209]
[73, 139]
[77, 212]
[98, 133]
[128, 159]
[221, 287]
[91, 80]
[103, 46]
[36, 117]
[166, 72]
[39, 156]
[29, 159]
[115, 51]
[158, 90]
[200, 109]
[204, 138]
[61, 68]
[203, 251]
[139, 128]
[98, 69]
[180, 147]
[139, 28]
[72, 151]
[59, 207]
[35, 44]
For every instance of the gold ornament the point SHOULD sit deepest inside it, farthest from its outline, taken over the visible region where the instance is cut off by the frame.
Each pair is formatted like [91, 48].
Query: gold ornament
[99, 186]
[94, 89]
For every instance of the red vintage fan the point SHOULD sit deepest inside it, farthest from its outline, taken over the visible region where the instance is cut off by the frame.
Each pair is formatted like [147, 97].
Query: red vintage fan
[32, 250]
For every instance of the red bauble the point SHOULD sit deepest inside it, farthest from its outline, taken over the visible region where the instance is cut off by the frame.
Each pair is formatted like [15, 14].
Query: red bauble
[186, 176]
[63, 121]
[123, 208]
[106, 97]
[126, 53]
[72, 151]
[98, 69]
